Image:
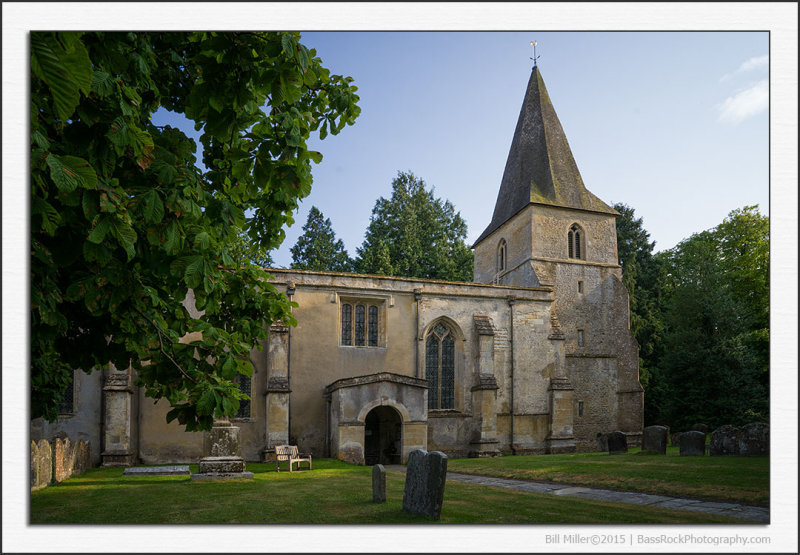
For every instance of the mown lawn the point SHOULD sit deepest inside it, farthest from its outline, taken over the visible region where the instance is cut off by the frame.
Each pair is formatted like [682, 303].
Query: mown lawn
[737, 479]
[332, 493]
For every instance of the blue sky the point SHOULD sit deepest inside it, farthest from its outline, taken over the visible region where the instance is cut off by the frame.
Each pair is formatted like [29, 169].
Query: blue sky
[674, 124]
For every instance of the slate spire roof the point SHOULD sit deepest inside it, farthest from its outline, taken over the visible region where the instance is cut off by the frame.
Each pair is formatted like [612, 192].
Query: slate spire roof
[540, 168]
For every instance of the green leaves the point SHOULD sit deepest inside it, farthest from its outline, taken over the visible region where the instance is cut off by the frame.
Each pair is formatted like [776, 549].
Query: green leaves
[70, 172]
[62, 62]
[103, 177]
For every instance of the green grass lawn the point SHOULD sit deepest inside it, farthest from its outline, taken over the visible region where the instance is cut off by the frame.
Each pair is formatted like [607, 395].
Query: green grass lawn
[332, 493]
[736, 479]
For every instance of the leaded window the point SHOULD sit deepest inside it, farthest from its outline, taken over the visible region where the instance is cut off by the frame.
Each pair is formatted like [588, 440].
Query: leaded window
[347, 324]
[373, 326]
[244, 404]
[67, 405]
[440, 367]
[361, 324]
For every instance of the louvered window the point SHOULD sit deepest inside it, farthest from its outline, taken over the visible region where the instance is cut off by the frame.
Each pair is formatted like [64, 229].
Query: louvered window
[575, 242]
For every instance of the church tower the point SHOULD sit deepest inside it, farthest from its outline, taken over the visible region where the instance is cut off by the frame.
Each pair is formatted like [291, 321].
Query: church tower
[549, 231]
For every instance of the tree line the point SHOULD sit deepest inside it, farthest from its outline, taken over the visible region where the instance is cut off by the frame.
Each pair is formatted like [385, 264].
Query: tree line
[700, 312]
[410, 234]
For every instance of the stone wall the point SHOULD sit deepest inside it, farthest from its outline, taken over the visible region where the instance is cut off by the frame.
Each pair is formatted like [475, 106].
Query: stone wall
[58, 460]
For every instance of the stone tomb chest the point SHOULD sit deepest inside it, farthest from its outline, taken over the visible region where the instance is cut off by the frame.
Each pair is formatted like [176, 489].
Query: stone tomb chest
[378, 418]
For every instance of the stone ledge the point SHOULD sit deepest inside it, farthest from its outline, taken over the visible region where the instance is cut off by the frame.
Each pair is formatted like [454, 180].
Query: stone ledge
[174, 470]
[222, 476]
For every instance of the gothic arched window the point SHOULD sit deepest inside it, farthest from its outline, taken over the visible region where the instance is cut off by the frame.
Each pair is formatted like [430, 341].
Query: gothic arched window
[440, 356]
[501, 256]
[575, 242]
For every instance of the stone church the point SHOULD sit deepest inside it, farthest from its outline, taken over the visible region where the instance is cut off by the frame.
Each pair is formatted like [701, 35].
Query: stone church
[534, 356]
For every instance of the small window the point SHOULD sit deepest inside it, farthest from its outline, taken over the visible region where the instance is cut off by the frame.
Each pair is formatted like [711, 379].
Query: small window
[361, 323]
[244, 383]
[580, 287]
[580, 408]
[347, 324]
[575, 242]
[580, 338]
[67, 405]
[501, 256]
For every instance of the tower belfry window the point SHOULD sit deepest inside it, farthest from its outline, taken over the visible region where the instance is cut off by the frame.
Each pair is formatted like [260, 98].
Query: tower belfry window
[575, 242]
[501, 256]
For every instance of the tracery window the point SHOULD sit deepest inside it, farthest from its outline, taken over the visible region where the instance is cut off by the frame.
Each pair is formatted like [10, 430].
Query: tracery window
[440, 367]
[361, 323]
[575, 242]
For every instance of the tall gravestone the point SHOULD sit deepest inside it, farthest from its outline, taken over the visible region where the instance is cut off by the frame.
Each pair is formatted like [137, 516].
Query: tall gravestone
[378, 484]
[654, 440]
[693, 444]
[617, 443]
[425, 478]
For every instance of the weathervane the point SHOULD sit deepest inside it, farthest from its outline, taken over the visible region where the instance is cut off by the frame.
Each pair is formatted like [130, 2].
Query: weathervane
[535, 57]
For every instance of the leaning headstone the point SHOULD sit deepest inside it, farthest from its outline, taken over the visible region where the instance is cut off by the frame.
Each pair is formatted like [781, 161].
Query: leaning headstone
[378, 484]
[602, 443]
[699, 428]
[654, 440]
[617, 443]
[693, 444]
[754, 439]
[424, 488]
[724, 441]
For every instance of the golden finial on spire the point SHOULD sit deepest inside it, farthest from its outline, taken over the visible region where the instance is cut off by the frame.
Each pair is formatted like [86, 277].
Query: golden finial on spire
[535, 57]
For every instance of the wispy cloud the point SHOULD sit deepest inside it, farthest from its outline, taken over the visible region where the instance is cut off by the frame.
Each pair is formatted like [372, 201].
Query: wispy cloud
[745, 104]
[754, 63]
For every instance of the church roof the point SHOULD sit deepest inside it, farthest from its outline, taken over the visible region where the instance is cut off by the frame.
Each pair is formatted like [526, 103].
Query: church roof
[540, 168]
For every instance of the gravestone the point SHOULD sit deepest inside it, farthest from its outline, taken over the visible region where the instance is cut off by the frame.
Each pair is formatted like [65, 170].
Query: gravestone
[617, 443]
[602, 443]
[754, 439]
[423, 493]
[34, 464]
[45, 474]
[675, 439]
[378, 484]
[61, 459]
[693, 444]
[654, 440]
[724, 441]
[222, 460]
[699, 428]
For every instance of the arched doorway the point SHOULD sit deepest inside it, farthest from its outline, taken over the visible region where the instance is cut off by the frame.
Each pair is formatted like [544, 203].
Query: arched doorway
[382, 436]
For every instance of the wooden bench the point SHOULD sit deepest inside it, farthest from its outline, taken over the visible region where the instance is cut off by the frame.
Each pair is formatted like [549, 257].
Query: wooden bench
[288, 453]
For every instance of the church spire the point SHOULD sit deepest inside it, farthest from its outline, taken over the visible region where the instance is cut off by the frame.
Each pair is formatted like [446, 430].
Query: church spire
[540, 168]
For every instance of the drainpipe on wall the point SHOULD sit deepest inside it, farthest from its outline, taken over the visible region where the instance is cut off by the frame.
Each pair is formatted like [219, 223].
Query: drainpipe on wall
[511, 340]
[290, 289]
[417, 297]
